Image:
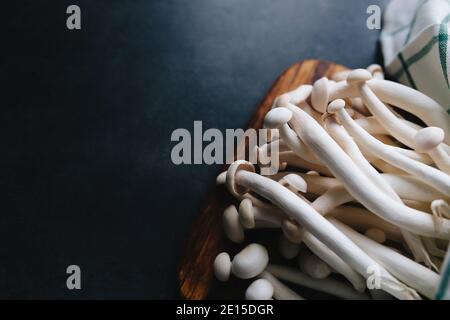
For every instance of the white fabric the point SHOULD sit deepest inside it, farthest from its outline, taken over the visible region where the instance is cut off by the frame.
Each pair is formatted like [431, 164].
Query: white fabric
[416, 48]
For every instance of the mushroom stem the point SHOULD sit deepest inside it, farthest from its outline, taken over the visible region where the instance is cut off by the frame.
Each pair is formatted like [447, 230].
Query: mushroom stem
[260, 289]
[361, 220]
[295, 161]
[330, 286]
[430, 175]
[397, 128]
[373, 126]
[358, 184]
[430, 244]
[296, 145]
[331, 199]
[349, 146]
[241, 177]
[280, 290]
[402, 97]
[413, 274]
[333, 260]
[312, 265]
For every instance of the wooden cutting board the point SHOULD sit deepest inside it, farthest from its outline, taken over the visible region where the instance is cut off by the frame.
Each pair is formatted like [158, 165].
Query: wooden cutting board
[206, 240]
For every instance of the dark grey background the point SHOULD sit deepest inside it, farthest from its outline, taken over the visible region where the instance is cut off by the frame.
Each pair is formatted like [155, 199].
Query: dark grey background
[87, 116]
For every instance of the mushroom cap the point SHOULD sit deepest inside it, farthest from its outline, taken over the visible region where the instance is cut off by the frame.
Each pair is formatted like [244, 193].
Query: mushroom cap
[231, 224]
[222, 266]
[288, 249]
[440, 208]
[246, 214]
[336, 105]
[260, 289]
[291, 231]
[277, 117]
[296, 181]
[358, 75]
[320, 95]
[314, 266]
[221, 178]
[230, 182]
[250, 262]
[340, 76]
[428, 138]
[283, 101]
[373, 68]
[376, 235]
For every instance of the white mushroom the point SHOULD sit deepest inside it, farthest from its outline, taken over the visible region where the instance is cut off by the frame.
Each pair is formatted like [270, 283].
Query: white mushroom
[333, 260]
[295, 96]
[313, 266]
[231, 224]
[428, 139]
[400, 96]
[260, 289]
[413, 274]
[376, 235]
[250, 261]
[288, 249]
[376, 70]
[280, 291]
[320, 95]
[429, 175]
[356, 182]
[328, 285]
[222, 266]
[269, 217]
[241, 174]
[350, 147]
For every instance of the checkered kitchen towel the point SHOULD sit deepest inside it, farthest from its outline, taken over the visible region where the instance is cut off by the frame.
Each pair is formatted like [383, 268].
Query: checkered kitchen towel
[443, 292]
[416, 48]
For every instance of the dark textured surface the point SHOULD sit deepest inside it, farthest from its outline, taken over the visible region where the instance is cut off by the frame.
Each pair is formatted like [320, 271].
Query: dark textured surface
[87, 115]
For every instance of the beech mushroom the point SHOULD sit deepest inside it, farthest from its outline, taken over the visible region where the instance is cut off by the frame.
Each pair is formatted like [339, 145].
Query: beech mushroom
[355, 148]
[428, 140]
[288, 249]
[260, 289]
[231, 224]
[376, 235]
[411, 273]
[253, 217]
[280, 291]
[250, 261]
[222, 266]
[356, 182]
[313, 266]
[333, 260]
[241, 177]
[429, 175]
[400, 96]
[355, 154]
[328, 285]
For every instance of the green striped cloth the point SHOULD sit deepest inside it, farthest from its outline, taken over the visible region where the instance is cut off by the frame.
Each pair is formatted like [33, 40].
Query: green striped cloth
[415, 46]
[443, 292]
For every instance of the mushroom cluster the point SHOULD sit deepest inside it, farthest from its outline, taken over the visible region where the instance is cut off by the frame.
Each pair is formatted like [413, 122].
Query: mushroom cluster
[361, 198]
